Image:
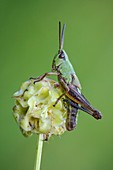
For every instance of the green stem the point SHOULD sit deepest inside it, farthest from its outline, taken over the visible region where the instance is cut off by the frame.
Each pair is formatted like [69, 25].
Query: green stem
[39, 152]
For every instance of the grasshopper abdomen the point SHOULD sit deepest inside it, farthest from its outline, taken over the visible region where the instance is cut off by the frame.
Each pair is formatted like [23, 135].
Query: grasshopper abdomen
[71, 120]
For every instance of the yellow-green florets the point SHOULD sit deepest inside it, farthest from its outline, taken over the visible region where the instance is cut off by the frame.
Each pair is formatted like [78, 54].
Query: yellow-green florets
[34, 111]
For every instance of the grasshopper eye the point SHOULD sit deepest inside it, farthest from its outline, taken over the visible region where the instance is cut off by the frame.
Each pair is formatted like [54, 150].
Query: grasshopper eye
[62, 56]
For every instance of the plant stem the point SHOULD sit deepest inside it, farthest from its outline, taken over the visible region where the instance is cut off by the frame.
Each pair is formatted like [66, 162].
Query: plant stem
[39, 152]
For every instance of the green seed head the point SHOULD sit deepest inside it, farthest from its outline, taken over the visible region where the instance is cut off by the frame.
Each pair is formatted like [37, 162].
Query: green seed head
[34, 111]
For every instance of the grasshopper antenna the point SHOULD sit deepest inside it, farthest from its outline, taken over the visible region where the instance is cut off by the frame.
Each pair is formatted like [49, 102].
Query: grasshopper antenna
[61, 36]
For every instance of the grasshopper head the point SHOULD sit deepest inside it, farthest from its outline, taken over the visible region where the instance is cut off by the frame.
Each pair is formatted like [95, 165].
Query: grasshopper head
[61, 57]
[58, 60]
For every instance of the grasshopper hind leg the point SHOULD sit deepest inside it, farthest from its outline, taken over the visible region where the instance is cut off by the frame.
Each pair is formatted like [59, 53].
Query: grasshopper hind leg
[95, 113]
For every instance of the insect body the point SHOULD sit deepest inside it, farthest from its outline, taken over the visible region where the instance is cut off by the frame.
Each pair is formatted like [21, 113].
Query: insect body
[69, 84]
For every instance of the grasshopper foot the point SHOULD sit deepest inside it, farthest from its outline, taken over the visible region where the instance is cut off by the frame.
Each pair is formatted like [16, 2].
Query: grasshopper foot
[32, 78]
[35, 79]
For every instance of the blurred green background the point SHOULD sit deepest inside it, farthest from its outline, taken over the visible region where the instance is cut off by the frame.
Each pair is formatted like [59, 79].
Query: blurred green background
[28, 42]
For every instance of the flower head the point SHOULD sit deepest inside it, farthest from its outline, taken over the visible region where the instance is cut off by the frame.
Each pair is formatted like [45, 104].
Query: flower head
[34, 111]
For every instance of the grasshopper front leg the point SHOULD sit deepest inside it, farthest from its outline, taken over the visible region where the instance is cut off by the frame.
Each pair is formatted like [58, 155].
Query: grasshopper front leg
[43, 76]
[58, 99]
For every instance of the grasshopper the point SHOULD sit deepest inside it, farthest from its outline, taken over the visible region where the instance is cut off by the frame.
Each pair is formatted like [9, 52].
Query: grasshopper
[70, 85]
